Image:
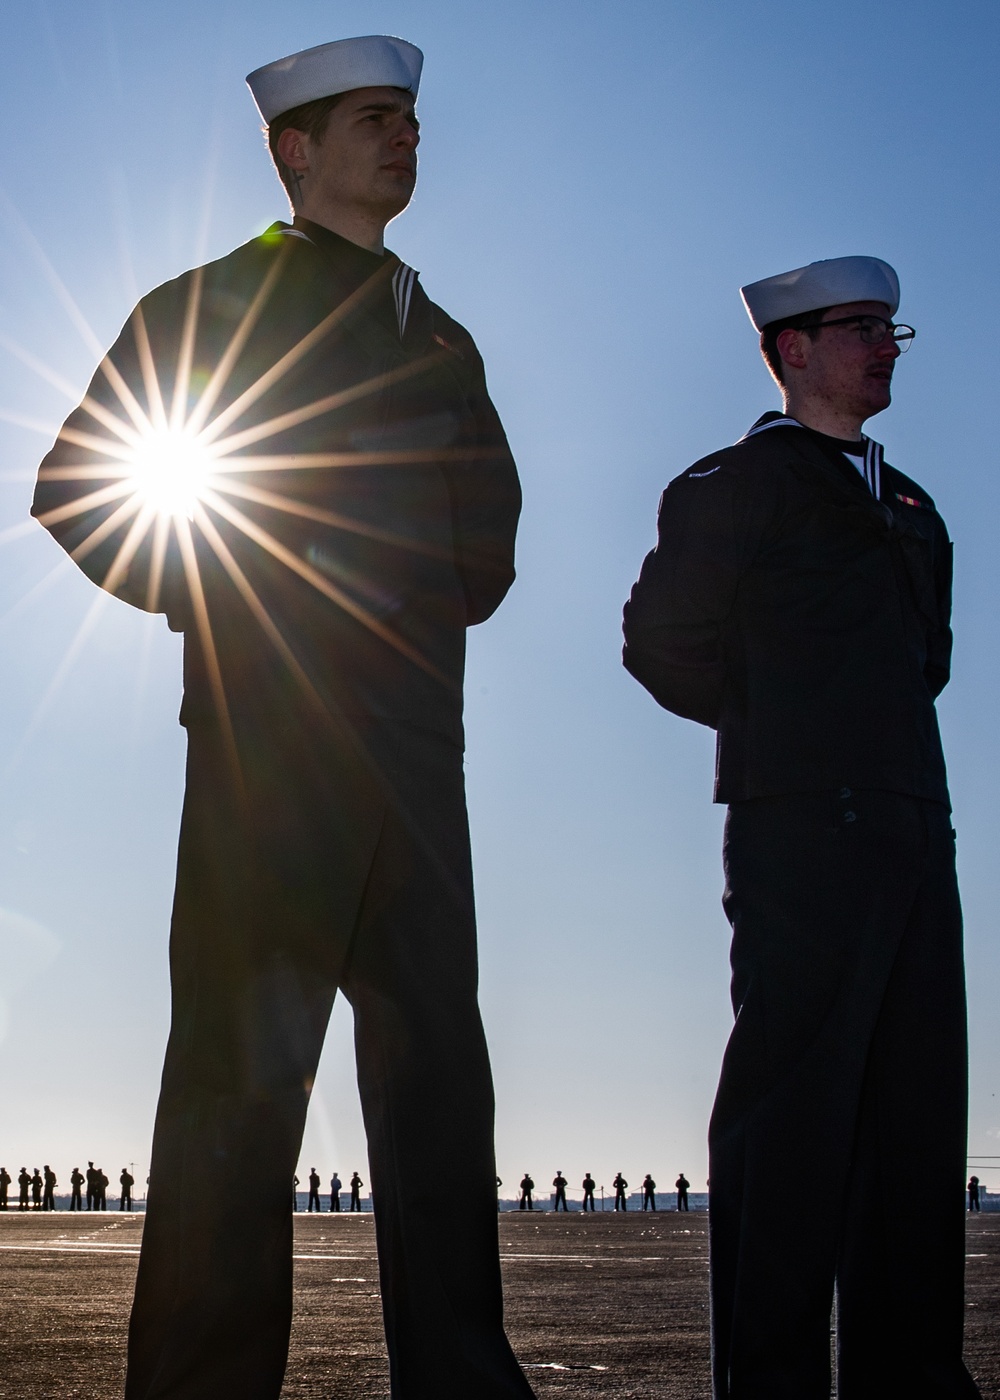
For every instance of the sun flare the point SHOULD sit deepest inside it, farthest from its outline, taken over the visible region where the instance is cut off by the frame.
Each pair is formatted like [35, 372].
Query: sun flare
[169, 471]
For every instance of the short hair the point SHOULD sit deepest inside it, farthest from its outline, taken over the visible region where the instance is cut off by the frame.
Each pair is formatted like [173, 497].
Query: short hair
[310, 118]
[805, 320]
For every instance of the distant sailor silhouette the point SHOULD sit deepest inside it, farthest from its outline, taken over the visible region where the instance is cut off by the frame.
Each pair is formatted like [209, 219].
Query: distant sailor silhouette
[101, 1184]
[75, 1182]
[5, 1180]
[559, 1182]
[589, 1185]
[92, 1176]
[335, 1185]
[24, 1185]
[295, 1193]
[527, 1186]
[36, 1190]
[356, 1185]
[974, 1193]
[648, 1193]
[682, 1185]
[127, 1181]
[621, 1186]
[314, 1202]
[49, 1189]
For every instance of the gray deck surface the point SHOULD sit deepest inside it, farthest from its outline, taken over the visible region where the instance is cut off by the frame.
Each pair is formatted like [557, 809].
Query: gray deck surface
[602, 1305]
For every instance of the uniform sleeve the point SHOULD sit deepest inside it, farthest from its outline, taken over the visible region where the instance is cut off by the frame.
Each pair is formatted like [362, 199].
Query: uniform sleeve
[84, 497]
[708, 531]
[485, 492]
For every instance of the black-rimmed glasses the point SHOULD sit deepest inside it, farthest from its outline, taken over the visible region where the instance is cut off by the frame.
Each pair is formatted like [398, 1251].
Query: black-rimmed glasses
[872, 329]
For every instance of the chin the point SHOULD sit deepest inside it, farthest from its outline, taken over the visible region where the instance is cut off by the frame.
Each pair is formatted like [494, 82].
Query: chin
[879, 402]
[394, 201]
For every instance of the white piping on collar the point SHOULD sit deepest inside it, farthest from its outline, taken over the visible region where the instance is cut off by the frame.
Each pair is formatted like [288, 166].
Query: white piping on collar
[873, 467]
[403, 281]
[784, 422]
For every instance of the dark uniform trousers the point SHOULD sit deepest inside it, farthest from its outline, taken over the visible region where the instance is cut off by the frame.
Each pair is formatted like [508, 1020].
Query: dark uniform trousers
[848, 987]
[342, 865]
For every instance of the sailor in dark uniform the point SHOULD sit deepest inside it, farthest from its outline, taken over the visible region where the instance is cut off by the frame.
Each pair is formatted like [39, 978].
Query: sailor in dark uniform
[75, 1181]
[356, 1185]
[681, 1186]
[798, 602]
[292, 453]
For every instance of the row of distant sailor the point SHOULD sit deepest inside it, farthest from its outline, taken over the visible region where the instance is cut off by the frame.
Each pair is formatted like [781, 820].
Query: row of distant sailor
[589, 1187]
[41, 1188]
[37, 1190]
[526, 1199]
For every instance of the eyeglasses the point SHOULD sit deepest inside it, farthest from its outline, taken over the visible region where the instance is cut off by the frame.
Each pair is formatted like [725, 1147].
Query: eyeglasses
[872, 330]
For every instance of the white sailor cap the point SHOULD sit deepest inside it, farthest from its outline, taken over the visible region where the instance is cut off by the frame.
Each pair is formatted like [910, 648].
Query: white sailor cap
[833, 282]
[376, 60]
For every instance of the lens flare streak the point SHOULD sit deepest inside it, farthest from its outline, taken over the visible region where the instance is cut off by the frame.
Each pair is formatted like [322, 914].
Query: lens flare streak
[290, 506]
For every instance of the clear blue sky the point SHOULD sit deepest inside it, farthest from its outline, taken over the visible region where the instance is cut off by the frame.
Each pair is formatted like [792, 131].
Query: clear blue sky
[596, 182]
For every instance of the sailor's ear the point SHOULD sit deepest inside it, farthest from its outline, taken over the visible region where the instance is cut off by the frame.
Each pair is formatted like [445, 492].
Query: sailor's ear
[292, 149]
[792, 347]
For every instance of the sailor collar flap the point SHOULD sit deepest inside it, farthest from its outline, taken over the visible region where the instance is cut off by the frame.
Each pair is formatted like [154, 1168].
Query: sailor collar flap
[381, 297]
[826, 470]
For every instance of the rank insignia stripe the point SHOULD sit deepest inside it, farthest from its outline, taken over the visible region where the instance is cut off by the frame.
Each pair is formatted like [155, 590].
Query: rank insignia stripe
[912, 501]
[447, 345]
